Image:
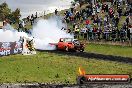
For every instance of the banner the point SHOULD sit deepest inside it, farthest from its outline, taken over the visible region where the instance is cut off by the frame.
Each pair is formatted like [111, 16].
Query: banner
[130, 30]
[9, 48]
[1, 24]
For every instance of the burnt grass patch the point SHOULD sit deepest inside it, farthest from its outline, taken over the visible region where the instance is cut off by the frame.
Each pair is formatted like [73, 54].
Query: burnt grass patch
[87, 55]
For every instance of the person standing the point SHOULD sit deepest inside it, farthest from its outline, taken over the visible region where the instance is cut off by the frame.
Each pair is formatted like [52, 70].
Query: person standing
[127, 20]
[56, 11]
[116, 21]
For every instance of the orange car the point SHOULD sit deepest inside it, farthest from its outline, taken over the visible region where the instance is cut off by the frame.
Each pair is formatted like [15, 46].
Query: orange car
[70, 44]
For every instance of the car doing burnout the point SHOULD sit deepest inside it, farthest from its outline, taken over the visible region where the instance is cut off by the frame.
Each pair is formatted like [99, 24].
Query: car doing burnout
[70, 44]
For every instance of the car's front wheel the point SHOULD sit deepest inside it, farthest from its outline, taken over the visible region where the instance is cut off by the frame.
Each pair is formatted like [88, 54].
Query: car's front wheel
[81, 50]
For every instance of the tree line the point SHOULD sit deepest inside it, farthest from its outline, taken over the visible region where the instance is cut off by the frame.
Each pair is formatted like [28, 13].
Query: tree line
[7, 14]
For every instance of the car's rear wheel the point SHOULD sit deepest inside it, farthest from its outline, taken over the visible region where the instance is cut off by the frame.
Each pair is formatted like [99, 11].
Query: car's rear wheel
[66, 48]
[57, 47]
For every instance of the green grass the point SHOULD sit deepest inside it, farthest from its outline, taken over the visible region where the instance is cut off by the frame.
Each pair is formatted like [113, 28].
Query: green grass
[54, 68]
[50, 67]
[124, 51]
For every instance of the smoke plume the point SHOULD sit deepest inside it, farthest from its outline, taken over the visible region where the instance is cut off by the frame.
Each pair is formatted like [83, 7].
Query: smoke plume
[49, 31]
[44, 32]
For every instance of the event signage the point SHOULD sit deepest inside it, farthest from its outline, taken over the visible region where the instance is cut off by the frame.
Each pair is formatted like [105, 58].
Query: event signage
[9, 48]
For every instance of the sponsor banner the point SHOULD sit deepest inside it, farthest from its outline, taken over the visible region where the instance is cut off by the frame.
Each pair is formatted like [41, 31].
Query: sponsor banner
[107, 78]
[130, 30]
[9, 48]
[1, 24]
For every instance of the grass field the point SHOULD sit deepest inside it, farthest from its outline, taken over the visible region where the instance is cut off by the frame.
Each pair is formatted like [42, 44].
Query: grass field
[48, 67]
[124, 51]
[45, 67]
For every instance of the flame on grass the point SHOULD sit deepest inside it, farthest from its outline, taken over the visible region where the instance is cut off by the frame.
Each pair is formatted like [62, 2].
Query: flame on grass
[81, 71]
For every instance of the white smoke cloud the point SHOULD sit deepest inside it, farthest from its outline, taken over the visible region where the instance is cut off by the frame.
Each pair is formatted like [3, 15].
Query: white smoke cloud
[48, 31]
[44, 32]
[9, 34]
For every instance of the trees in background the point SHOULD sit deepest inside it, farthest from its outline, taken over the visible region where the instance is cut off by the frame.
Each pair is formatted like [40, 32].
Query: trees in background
[16, 15]
[7, 14]
[4, 11]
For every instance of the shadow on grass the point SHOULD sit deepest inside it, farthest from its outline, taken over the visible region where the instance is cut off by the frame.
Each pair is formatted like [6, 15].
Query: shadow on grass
[94, 55]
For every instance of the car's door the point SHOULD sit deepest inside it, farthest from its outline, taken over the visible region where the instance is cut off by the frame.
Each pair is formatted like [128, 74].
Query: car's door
[61, 44]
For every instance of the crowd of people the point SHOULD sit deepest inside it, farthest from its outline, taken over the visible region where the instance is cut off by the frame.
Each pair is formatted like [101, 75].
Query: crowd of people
[30, 20]
[101, 21]
[110, 21]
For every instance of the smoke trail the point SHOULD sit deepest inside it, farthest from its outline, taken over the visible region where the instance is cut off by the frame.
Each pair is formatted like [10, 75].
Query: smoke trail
[48, 31]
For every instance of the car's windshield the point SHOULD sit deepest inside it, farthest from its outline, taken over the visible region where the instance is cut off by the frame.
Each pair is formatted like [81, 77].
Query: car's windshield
[68, 40]
[76, 42]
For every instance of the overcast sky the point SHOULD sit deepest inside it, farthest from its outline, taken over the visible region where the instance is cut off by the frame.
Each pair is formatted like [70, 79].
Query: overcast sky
[30, 6]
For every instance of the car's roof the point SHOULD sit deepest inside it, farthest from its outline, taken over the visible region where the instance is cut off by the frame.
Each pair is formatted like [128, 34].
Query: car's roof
[66, 38]
[70, 38]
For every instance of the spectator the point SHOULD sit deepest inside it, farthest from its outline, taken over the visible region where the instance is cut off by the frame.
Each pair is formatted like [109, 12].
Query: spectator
[127, 20]
[94, 32]
[36, 15]
[128, 33]
[119, 11]
[116, 21]
[104, 7]
[122, 35]
[99, 31]
[87, 22]
[56, 12]
[28, 18]
[90, 34]
[111, 12]
[83, 32]
[76, 31]
[113, 34]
